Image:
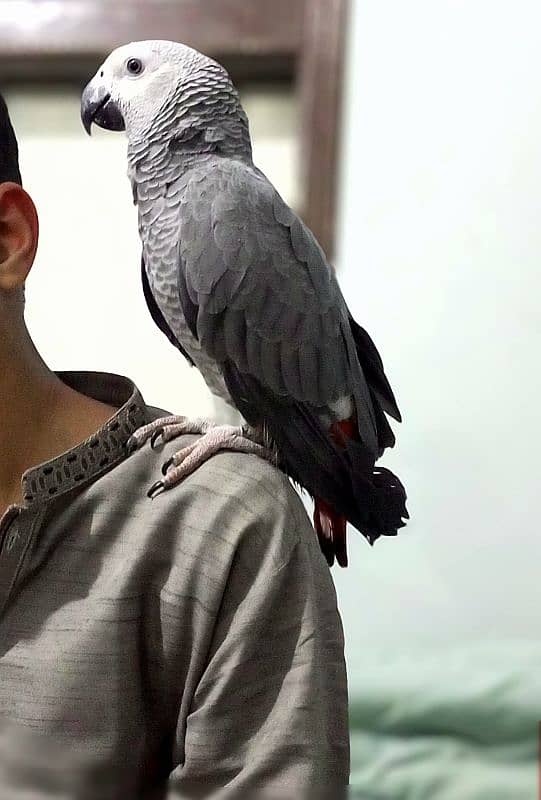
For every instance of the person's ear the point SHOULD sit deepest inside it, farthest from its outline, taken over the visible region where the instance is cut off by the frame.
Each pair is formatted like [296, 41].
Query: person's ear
[19, 233]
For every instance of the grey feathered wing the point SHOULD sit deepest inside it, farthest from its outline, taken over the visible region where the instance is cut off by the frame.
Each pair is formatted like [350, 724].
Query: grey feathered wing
[258, 294]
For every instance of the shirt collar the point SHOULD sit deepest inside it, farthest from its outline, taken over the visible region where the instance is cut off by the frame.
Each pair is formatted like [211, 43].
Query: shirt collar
[101, 451]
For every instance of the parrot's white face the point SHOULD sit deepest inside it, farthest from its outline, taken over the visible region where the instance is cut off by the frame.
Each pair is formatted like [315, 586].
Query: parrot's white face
[134, 83]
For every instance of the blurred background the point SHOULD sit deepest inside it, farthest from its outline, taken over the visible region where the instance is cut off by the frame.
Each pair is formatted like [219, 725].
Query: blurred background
[408, 135]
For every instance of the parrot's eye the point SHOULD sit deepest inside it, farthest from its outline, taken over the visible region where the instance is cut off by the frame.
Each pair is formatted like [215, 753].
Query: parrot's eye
[134, 66]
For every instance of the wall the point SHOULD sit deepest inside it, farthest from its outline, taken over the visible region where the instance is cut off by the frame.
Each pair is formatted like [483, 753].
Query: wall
[439, 258]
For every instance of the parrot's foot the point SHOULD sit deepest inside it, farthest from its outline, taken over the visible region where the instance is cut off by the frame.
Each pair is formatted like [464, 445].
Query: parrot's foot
[167, 428]
[214, 438]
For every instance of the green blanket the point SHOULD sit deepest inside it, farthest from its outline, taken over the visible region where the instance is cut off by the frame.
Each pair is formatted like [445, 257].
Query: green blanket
[457, 725]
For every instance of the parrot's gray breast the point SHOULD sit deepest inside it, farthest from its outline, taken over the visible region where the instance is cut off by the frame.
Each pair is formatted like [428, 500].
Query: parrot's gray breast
[162, 280]
[159, 228]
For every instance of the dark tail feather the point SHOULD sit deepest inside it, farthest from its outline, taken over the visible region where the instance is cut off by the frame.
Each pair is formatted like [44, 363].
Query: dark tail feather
[372, 366]
[386, 437]
[372, 498]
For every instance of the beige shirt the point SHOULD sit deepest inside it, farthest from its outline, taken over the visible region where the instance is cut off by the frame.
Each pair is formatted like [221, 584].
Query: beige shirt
[186, 646]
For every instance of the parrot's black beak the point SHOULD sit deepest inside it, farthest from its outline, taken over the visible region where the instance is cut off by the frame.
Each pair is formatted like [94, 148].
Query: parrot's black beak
[97, 107]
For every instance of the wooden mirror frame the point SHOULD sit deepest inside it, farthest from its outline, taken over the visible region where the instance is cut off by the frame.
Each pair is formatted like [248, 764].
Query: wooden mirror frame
[295, 40]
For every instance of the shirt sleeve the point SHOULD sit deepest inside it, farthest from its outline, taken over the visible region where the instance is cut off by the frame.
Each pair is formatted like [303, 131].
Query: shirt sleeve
[269, 715]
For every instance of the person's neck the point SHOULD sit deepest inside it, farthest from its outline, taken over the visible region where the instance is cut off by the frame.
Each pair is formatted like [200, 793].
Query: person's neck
[40, 416]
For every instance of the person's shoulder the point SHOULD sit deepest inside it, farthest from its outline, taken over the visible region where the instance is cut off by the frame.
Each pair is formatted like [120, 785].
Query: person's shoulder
[233, 501]
[251, 502]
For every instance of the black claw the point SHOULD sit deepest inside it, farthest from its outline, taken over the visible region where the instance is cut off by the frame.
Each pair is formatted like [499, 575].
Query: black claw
[155, 436]
[132, 445]
[166, 466]
[156, 489]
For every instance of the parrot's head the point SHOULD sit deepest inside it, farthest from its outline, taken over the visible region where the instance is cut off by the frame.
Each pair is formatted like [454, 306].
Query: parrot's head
[159, 86]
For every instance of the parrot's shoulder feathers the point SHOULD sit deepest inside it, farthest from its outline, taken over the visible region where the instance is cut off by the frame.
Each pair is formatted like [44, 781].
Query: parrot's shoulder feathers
[197, 140]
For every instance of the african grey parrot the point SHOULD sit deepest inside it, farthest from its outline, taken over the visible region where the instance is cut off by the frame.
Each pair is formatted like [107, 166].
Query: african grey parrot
[240, 285]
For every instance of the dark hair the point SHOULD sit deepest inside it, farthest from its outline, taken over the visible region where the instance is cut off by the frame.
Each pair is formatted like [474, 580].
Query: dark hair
[9, 152]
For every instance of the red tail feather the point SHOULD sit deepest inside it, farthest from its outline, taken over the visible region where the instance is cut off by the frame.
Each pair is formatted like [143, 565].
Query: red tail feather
[330, 526]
